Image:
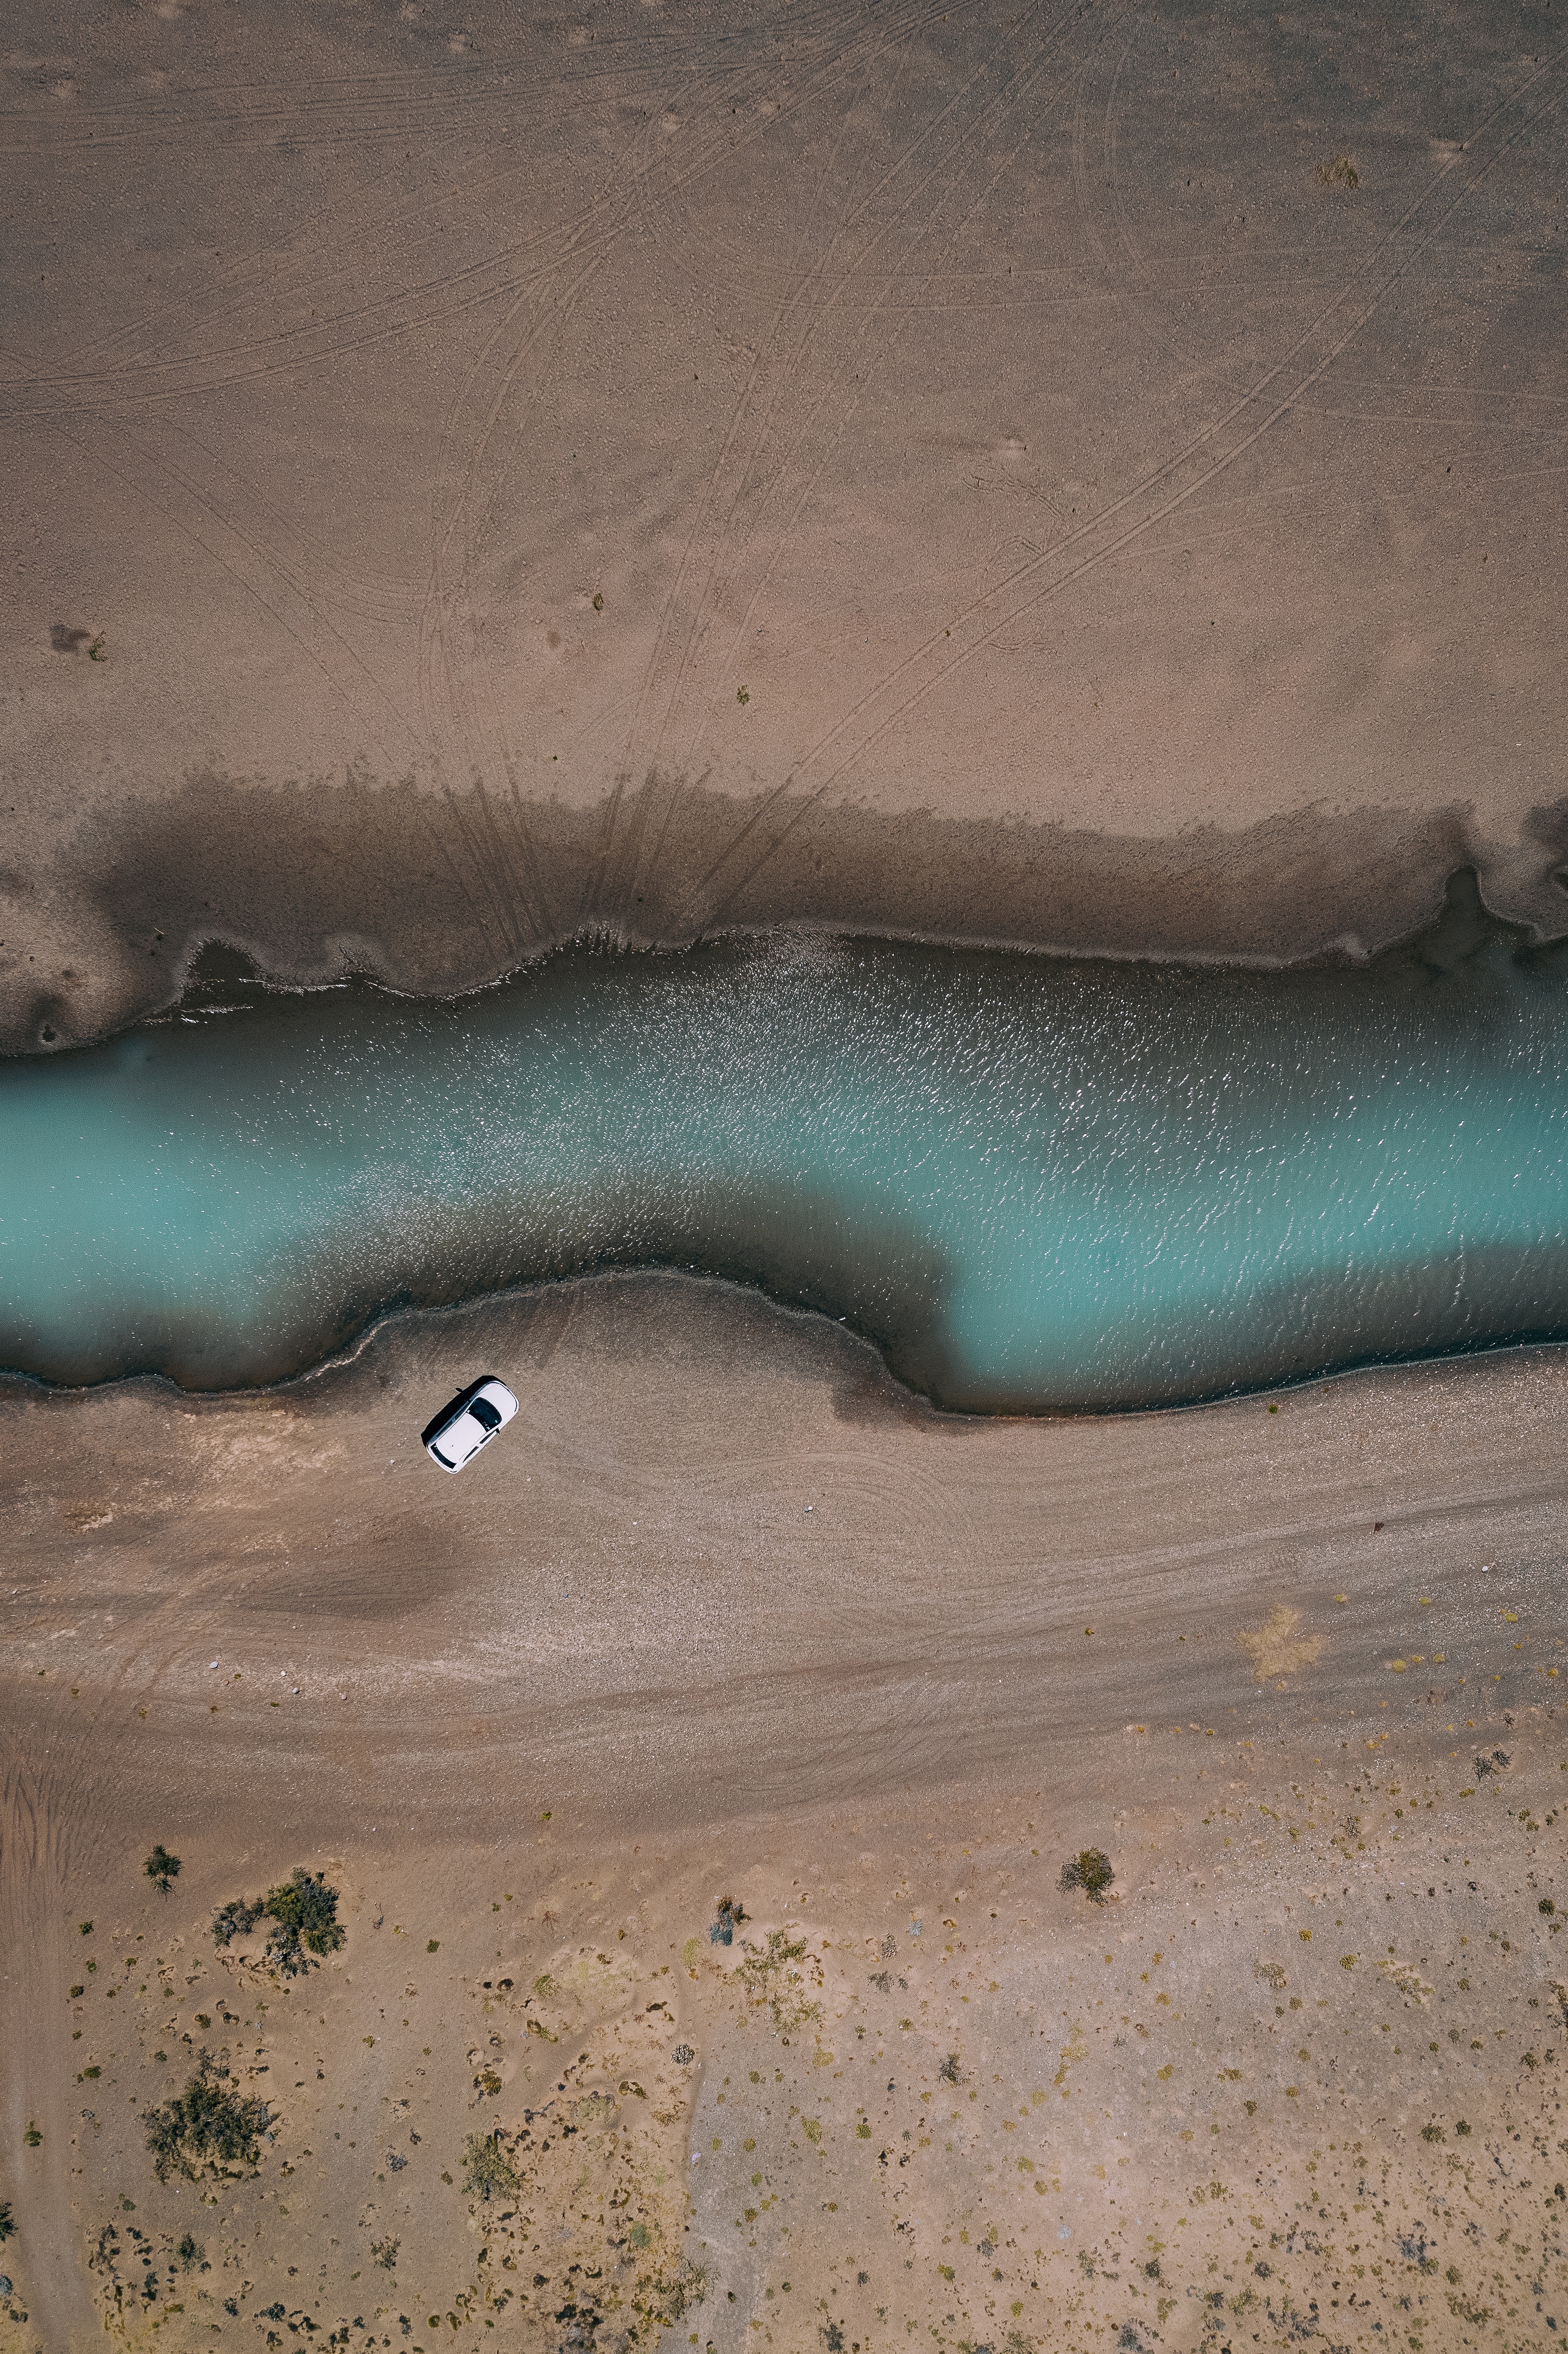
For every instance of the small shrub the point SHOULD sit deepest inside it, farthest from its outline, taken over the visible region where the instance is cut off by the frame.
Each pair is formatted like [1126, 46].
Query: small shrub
[8, 2221]
[161, 1869]
[487, 2169]
[303, 1911]
[1431, 2133]
[236, 1919]
[385, 2253]
[1341, 173]
[1546, 1905]
[721, 1932]
[189, 2252]
[770, 1977]
[211, 2126]
[1089, 1869]
[1462, 2127]
[948, 2071]
[32, 2137]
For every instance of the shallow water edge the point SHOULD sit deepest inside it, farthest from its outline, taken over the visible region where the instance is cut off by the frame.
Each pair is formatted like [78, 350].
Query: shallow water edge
[1034, 1185]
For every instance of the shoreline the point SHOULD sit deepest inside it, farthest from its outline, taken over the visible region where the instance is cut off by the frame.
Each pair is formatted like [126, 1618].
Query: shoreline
[138, 900]
[17, 1382]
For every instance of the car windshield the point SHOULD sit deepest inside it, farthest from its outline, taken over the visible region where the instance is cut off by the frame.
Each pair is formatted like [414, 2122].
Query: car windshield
[484, 1414]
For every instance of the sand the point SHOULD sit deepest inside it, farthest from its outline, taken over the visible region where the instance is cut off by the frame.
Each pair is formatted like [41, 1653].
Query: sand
[645, 470]
[730, 1615]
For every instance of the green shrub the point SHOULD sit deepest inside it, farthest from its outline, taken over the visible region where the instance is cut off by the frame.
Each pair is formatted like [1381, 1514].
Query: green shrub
[236, 1919]
[1089, 1869]
[303, 1911]
[161, 1869]
[210, 2125]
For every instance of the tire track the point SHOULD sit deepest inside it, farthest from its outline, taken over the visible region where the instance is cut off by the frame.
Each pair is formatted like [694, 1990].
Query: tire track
[689, 617]
[825, 445]
[981, 620]
[457, 712]
[195, 515]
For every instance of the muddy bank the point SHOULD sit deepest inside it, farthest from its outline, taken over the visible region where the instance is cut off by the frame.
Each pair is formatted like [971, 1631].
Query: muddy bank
[435, 895]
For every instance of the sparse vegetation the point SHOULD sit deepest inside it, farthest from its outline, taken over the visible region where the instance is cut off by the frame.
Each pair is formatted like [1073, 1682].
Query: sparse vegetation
[236, 1919]
[385, 2253]
[770, 1977]
[304, 1909]
[32, 2137]
[486, 2167]
[948, 2071]
[8, 2221]
[1089, 1869]
[161, 1869]
[668, 2300]
[730, 1915]
[190, 2252]
[211, 2127]
[1338, 173]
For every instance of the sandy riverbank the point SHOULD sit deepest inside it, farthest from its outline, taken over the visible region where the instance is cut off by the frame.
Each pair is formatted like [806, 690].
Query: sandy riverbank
[620, 1673]
[485, 479]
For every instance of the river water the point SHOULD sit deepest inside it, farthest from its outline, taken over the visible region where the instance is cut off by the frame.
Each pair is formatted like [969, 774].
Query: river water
[1035, 1183]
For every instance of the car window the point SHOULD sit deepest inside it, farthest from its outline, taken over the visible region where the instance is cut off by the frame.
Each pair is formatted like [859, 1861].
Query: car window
[484, 1414]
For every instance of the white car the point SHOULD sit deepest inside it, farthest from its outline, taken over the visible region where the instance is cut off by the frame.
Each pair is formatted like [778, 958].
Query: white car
[470, 1422]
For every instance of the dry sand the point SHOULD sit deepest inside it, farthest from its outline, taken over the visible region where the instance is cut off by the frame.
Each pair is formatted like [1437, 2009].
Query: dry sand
[954, 469]
[727, 1614]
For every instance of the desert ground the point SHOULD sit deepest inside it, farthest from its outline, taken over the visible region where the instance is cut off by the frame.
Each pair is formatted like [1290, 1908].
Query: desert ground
[874, 1675]
[1088, 477]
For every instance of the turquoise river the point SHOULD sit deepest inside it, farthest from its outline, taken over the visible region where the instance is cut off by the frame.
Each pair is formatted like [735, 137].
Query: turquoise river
[1037, 1185]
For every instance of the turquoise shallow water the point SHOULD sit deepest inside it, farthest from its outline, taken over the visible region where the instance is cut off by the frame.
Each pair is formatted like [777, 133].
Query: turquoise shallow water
[1037, 1185]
